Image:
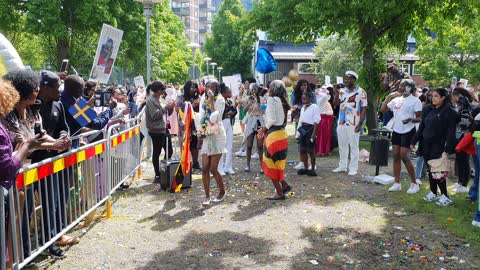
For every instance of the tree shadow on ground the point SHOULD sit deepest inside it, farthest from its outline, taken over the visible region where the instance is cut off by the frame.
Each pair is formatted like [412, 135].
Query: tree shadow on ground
[166, 221]
[346, 248]
[221, 250]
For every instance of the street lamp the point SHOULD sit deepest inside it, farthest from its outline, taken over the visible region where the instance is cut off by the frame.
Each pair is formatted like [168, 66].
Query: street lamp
[220, 73]
[207, 59]
[213, 64]
[148, 13]
[194, 46]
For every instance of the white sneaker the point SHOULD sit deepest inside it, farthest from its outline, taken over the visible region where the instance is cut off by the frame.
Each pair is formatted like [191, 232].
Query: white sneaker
[476, 223]
[222, 173]
[255, 156]
[419, 182]
[444, 201]
[232, 172]
[413, 189]
[241, 153]
[395, 187]
[430, 197]
[454, 187]
[299, 166]
[337, 170]
[461, 189]
[352, 173]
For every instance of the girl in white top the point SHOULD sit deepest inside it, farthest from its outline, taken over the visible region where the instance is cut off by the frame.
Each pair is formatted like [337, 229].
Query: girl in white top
[407, 111]
[307, 133]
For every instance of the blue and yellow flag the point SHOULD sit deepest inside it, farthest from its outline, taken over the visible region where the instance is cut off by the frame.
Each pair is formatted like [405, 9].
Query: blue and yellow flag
[82, 113]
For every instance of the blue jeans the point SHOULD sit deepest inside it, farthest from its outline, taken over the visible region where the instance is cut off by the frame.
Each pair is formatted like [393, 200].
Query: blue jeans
[473, 193]
[419, 167]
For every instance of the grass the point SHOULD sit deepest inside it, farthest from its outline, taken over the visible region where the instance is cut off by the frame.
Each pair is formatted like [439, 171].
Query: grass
[456, 218]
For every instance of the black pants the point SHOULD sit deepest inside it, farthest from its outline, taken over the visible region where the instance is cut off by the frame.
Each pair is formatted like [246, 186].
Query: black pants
[158, 141]
[462, 165]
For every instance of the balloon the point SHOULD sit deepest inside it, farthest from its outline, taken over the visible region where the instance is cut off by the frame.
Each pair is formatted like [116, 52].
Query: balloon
[287, 81]
[9, 58]
[265, 61]
[293, 75]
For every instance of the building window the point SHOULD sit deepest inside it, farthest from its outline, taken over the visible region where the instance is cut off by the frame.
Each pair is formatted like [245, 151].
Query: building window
[305, 68]
[406, 69]
[415, 71]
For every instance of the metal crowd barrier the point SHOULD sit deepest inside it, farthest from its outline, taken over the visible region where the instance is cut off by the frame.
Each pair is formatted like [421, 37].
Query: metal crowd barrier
[54, 195]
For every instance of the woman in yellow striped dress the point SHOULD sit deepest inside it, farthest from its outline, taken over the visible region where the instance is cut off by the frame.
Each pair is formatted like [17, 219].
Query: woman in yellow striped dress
[276, 140]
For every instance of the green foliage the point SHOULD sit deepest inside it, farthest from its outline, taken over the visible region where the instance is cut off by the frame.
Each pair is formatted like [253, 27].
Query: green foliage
[455, 51]
[375, 23]
[230, 44]
[45, 32]
[336, 55]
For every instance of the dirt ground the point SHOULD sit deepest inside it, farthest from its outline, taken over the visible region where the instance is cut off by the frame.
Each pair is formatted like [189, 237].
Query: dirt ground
[332, 221]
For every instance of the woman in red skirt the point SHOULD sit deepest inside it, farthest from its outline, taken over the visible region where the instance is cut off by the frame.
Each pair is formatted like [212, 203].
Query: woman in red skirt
[324, 132]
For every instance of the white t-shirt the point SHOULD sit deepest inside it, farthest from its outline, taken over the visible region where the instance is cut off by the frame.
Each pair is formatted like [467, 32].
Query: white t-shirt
[404, 108]
[309, 116]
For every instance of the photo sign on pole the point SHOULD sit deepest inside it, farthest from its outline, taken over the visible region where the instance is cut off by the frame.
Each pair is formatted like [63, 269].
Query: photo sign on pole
[233, 82]
[139, 82]
[339, 80]
[107, 49]
[327, 80]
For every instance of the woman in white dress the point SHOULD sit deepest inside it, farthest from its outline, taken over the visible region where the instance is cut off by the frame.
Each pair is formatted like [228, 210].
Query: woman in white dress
[214, 141]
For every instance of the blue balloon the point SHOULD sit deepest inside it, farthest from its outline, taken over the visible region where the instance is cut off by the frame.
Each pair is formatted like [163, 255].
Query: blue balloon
[263, 107]
[265, 61]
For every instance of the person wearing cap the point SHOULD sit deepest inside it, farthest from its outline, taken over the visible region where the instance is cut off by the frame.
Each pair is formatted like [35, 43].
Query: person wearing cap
[353, 108]
[55, 124]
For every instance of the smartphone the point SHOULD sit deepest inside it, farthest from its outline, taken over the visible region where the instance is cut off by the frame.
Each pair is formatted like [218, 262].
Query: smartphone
[102, 99]
[64, 65]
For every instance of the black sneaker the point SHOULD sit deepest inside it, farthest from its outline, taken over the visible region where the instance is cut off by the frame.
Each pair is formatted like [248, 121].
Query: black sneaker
[157, 180]
[56, 252]
[302, 172]
[124, 186]
[311, 173]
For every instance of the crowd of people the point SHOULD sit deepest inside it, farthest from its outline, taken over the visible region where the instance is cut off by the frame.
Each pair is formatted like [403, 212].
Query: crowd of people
[35, 125]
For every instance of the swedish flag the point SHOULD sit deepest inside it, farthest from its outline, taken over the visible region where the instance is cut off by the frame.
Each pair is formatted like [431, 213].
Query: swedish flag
[82, 113]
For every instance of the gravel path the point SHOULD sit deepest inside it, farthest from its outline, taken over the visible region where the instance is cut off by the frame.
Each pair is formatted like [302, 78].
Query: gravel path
[328, 222]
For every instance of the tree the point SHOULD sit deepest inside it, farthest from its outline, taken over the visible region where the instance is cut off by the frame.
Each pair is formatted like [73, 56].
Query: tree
[450, 48]
[46, 32]
[336, 55]
[171, 56]
[376, 23]
[230, 45]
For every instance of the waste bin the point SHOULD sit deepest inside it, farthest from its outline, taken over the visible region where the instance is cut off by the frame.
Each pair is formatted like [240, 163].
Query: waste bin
[380, 142]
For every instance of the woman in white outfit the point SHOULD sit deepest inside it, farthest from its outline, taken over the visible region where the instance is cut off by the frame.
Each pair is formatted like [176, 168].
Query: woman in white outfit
[225, 165]
[214, 141]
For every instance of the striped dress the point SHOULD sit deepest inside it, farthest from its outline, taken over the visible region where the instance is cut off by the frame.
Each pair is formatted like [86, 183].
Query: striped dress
[275, 145]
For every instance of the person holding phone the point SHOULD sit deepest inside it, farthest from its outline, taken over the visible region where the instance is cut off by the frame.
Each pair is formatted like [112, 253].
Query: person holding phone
[407, 112]
[214, 142]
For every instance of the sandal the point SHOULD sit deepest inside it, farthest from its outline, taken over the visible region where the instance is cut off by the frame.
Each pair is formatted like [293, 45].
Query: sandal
[276, 198]
[217, 200]
[206, 202]
[68, 241]
[286, 189]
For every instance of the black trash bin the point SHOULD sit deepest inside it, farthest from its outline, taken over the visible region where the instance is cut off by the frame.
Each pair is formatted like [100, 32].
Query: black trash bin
[380, 142]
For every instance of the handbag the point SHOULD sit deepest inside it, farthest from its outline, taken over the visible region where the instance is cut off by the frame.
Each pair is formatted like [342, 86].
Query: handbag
[440, 164]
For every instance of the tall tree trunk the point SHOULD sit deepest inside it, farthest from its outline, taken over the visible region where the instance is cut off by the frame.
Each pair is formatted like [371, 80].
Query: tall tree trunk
[63, 51]
[369, 64]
